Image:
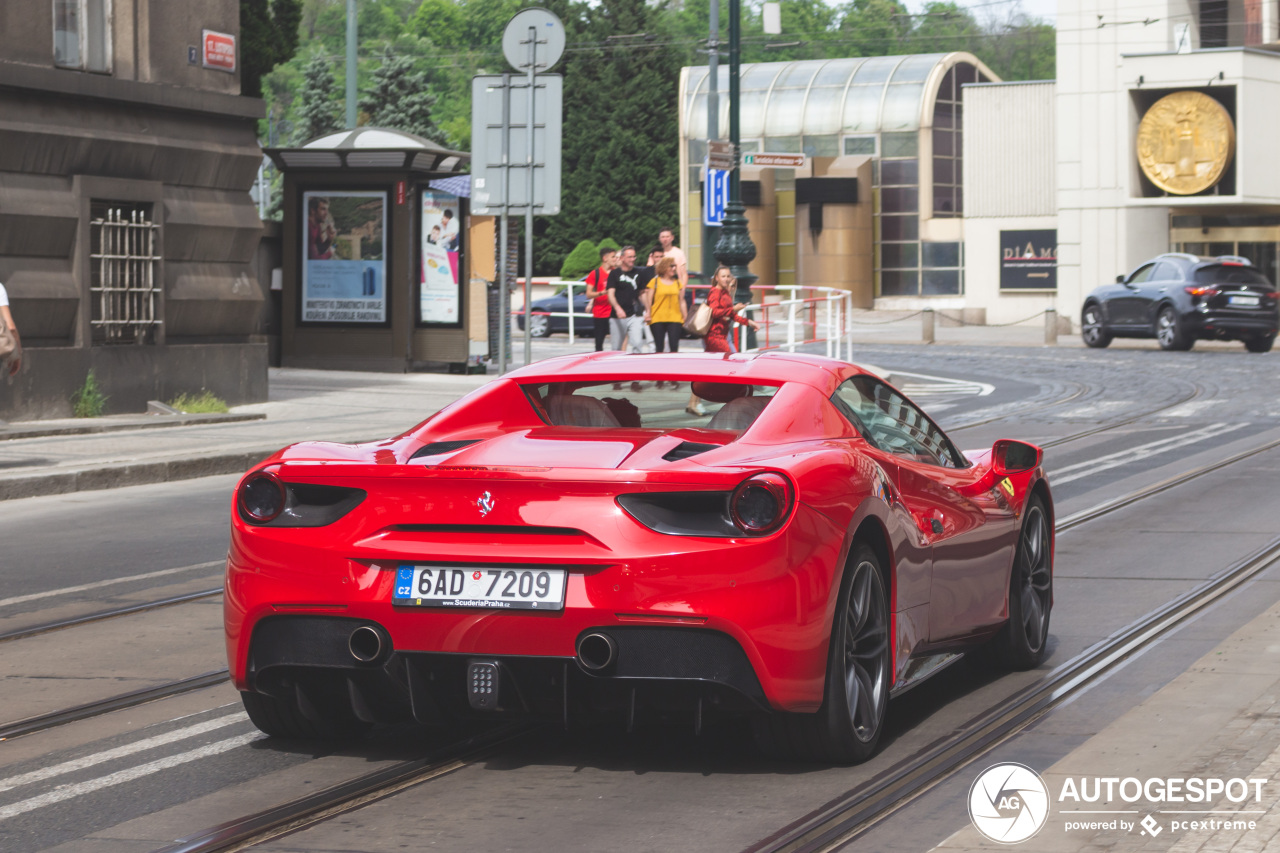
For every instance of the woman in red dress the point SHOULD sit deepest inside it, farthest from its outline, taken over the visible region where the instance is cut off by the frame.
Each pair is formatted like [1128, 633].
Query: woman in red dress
[724, 313]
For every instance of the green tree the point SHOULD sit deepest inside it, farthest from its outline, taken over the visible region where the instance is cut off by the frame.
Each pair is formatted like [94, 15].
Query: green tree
[875, 28]
[317, 107]
[620, 134]
[268, 37]
[399, 97]
[946, 27]
[583, 259]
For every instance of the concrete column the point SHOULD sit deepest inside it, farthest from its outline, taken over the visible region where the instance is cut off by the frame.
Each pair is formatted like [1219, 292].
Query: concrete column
[1050, 327]
[926, 325]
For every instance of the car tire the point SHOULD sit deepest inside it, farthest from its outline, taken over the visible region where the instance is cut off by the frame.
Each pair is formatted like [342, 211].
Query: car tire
[1169, 331]
[1021, 642]
[847, 727]
[1261, 343]
[539, 325]
[1093, 329]
[283, 718]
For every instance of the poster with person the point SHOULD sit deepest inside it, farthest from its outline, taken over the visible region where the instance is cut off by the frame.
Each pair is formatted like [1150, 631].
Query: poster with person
[344, 257]
[439, 295]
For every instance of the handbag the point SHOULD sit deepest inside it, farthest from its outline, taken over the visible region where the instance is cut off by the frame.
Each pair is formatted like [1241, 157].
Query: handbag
[699, 322]
[8, 343]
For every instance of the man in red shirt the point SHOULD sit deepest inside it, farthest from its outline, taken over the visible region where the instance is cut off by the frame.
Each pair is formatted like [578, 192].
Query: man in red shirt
[597, 292]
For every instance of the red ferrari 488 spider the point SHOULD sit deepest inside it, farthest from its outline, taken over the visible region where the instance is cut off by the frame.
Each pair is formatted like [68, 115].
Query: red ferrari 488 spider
[572, 539]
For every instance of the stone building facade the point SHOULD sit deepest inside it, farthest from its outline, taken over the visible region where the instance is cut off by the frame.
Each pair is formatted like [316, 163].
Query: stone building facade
[128, 239]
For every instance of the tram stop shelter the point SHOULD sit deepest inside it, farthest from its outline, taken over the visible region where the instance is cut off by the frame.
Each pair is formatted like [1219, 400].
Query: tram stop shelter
[375, 243]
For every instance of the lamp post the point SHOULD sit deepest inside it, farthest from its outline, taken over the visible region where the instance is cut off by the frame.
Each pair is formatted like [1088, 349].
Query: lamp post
[735, 249]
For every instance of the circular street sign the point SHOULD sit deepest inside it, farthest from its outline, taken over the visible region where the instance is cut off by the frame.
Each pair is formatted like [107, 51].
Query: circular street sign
[549, 39]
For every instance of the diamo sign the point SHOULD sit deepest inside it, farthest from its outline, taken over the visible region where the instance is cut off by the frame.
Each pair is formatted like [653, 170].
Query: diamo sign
[219, 51]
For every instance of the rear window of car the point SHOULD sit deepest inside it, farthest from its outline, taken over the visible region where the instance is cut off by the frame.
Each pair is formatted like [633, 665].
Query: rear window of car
[650, 404]
[1229, 274]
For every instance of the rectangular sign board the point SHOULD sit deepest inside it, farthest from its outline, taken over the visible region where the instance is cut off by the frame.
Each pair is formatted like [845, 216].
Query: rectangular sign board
[490, 95]
[1029, 260]
[774, 161]
[219, 50]
[715, 195]
[720, 155]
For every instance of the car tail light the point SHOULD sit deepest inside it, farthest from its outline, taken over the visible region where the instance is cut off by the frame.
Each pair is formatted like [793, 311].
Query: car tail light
[262, 497]
[761, 503]
[1203, 291]
[1274, 296]
[265, 500]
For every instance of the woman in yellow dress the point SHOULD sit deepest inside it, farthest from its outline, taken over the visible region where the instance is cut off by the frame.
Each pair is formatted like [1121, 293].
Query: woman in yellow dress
[664, 304]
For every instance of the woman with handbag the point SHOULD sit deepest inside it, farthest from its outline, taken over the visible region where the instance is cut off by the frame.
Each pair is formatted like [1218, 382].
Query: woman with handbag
[724, 313]
[664, 300]
[10, 343]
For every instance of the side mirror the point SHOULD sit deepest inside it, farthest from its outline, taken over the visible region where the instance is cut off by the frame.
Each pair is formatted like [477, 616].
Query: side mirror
[1009, 456]
[1120, 279]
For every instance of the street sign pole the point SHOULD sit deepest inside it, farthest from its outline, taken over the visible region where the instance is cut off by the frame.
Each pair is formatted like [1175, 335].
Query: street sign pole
[528, 211]
[504, 294]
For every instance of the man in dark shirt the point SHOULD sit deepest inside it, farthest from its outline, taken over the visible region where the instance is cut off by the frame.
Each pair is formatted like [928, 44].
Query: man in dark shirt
[627, 323]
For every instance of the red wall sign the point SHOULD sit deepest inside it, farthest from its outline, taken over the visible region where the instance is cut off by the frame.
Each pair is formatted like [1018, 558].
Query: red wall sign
[219, 51]
[399, 192]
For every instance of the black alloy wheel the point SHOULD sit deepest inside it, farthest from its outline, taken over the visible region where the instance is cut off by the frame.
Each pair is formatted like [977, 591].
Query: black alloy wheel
[847, 728]
[1169, 331]
[1093, 328]
[1021, 642]
[1261, 343]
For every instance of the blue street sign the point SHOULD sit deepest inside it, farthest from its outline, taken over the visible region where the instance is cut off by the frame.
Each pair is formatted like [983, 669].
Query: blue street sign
[715, 194]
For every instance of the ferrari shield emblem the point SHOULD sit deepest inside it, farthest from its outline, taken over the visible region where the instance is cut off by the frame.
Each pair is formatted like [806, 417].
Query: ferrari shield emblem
[1007, 486]
[485, 503]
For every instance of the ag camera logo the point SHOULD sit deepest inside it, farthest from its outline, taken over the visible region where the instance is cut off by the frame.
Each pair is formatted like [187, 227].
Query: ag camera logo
[1008, 803]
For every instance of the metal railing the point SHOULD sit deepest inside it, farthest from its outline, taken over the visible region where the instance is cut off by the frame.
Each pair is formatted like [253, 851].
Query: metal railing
[124, 258]
[790, 316]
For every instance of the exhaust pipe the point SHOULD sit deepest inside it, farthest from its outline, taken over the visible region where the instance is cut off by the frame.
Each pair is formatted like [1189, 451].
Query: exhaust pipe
[366, 644]
[597, 652]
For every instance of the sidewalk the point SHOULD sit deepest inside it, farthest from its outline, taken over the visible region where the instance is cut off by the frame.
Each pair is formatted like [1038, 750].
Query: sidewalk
[1220, 719]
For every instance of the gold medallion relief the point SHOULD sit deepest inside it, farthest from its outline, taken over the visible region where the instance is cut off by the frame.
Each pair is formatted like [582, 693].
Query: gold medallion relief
[1185, 142]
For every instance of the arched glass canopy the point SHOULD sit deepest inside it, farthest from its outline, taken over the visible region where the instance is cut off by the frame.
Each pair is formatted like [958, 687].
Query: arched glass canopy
[826, 96]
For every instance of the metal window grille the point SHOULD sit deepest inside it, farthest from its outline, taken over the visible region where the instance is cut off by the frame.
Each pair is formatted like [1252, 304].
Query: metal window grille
[124, 288]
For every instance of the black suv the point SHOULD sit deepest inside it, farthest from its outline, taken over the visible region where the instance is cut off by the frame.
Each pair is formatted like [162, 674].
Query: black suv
[1177, 298]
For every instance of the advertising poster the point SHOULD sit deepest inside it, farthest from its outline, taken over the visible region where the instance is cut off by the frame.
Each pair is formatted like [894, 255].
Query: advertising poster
[344, 257]
[1029, 260]
[441, 237]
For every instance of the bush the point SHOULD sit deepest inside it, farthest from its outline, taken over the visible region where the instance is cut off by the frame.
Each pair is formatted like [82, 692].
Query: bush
[582, 260]
[201, 403]
[89, 401]
[607, 243]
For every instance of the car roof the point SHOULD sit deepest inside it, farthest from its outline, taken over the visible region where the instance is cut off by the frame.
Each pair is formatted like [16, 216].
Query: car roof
[766, 368]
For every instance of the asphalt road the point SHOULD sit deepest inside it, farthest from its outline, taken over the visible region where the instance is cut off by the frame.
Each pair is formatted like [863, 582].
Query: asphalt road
[134, 779]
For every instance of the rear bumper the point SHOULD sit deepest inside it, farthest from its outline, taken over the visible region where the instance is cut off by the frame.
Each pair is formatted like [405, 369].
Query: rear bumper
[307, 658]
[1233, 324]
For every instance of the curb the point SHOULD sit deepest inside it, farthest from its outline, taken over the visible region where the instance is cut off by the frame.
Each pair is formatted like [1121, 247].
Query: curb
[12, 433]
[129, 474]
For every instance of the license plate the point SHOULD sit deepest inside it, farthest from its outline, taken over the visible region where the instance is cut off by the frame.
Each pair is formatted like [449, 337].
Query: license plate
[501, 589]
[1243, 301]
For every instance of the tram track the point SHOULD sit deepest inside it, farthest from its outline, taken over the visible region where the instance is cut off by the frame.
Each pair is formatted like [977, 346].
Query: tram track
[853, 813]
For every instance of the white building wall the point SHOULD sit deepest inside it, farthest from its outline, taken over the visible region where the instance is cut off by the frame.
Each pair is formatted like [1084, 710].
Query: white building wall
[1100, 233]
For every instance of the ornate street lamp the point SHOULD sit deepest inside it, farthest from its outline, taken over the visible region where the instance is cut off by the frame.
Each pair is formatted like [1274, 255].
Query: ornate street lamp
[735, 249]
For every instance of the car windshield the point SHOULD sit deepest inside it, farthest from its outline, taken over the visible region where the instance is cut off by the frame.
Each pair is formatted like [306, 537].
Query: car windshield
[650, 404]
[1229, 274]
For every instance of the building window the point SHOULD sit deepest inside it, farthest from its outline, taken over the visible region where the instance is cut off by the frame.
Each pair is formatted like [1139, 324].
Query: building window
[124, 287]
[82, 34]
[948, 119]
